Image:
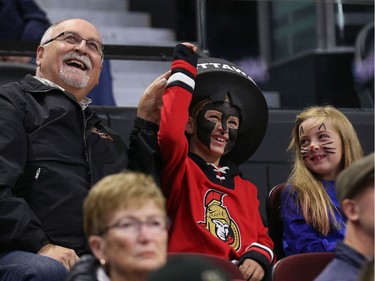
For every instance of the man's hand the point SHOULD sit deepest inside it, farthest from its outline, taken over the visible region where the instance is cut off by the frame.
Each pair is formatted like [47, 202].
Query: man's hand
[152, 100]
[66, 256]
[251, 270]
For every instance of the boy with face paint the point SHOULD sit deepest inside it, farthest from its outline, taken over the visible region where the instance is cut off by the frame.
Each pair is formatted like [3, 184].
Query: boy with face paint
[213, 210]
[223, 117]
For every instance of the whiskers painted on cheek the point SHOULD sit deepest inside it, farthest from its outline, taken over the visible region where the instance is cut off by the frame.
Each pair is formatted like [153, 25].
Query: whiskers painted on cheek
[328, 148]
[304, 152]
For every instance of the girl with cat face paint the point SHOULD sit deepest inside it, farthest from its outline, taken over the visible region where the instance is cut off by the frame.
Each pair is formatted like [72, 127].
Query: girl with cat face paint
[324, 142]
[213, 209]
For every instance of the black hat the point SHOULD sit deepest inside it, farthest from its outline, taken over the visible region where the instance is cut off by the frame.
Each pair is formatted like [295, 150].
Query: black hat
[188, 268]
[216, 79]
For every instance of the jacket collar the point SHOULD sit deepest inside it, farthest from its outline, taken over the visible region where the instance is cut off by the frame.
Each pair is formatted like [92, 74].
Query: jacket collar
[38, 84]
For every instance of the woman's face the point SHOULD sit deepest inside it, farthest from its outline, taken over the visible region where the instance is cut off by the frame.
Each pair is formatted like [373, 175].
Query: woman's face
[136, 240]
[321, 148]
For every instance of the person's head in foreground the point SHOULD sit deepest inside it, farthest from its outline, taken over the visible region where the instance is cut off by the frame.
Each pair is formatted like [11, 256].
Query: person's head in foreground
[126, 225]
[188, 268]
[355, 192]
[70, 55]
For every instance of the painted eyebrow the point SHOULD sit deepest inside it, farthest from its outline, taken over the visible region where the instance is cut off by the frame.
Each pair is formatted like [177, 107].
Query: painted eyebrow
[301, 131]
[322, 126]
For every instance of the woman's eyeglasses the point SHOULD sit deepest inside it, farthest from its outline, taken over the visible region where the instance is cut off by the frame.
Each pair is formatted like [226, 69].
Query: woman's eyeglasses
[132, 226]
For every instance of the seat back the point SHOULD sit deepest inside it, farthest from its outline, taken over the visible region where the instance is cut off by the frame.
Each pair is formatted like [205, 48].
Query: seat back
[306, 266]
[225, 265]
[14, 71]
[275, 223]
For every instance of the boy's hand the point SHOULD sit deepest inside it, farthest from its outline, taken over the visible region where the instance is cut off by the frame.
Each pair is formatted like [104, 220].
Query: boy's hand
[251, 270]
[190, 46]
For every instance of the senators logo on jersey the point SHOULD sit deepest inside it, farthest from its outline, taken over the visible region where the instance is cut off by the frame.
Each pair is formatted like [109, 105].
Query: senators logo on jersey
[218, 221]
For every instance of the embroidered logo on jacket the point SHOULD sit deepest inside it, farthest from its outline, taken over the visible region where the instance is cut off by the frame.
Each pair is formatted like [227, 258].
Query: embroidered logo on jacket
[101, 134]
[218, 221]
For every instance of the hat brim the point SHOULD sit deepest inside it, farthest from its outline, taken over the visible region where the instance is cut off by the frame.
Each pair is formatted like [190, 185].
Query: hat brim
[220, 78]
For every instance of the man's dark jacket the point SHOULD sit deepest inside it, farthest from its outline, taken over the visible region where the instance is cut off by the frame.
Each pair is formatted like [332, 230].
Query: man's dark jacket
[51, 153]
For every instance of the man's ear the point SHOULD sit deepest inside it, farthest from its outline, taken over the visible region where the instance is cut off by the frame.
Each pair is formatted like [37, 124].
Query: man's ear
[100, 71]
[97, 246]
[190, 127]
[39, 55]
[350, 209]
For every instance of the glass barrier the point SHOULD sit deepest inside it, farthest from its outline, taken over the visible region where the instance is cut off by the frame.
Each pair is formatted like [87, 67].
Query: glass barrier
[299, 52]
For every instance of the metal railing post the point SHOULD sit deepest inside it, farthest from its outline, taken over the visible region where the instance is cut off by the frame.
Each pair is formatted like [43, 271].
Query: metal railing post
[201, 25]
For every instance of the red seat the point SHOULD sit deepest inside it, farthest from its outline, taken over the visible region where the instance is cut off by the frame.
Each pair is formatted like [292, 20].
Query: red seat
[299, 267]
[225, 265]
[275, 223]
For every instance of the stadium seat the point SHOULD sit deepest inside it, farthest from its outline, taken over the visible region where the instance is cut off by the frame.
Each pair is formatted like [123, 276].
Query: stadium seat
[299, 267]
[275, 224]
[14, 71]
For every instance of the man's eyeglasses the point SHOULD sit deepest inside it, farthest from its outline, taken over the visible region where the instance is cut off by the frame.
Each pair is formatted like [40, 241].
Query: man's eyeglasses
[72, 38]
[132, 226]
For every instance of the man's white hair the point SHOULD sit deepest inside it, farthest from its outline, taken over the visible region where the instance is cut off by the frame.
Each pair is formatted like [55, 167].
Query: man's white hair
[48, 33]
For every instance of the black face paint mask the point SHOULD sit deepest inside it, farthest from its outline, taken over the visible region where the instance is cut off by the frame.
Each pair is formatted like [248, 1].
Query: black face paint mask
[205, 127]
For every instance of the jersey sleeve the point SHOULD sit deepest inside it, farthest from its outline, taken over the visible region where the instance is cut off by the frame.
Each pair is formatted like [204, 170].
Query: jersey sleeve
[174, 116]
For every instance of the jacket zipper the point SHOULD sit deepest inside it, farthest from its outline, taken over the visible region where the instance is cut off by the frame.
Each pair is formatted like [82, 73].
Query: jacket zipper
[37, 173]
